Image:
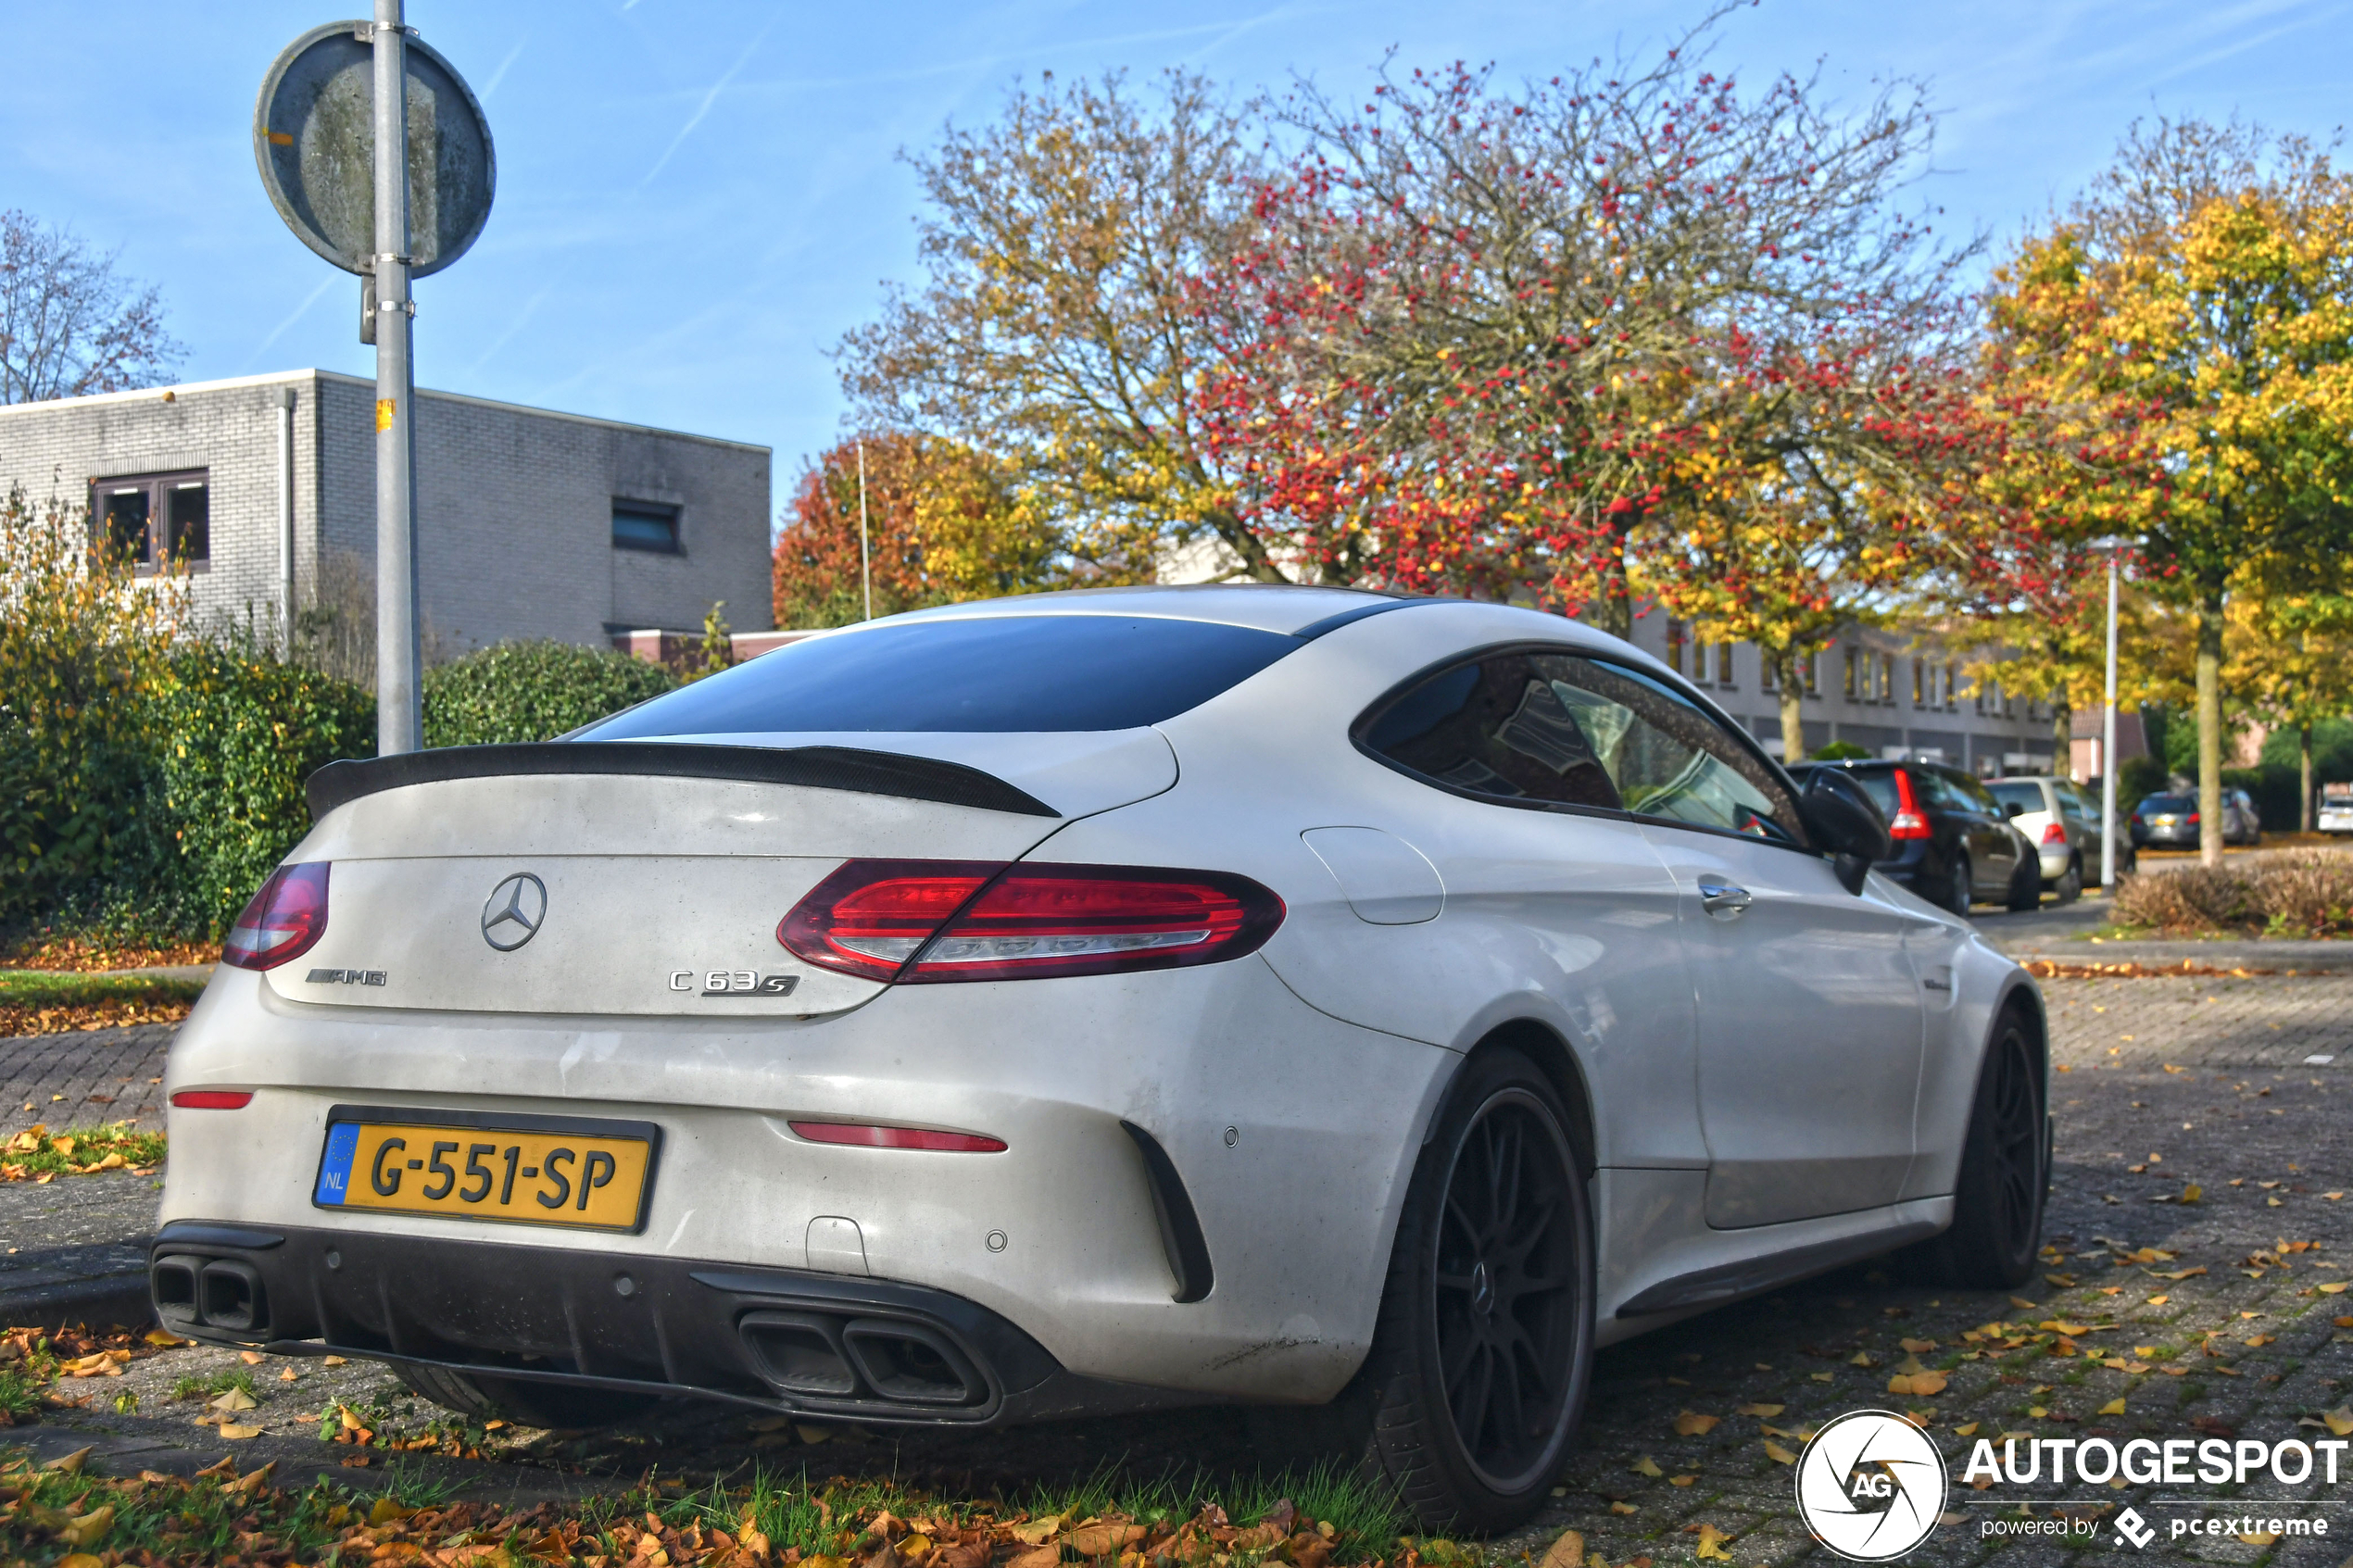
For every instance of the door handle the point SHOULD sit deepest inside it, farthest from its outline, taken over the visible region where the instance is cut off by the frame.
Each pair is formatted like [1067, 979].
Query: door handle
[1723, 900]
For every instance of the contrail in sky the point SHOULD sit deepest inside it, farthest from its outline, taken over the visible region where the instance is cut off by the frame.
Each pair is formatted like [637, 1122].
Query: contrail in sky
[708, 99]
[280, 330]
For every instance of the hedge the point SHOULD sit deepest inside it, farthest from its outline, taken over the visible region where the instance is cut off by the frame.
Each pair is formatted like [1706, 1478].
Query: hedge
[529, 691]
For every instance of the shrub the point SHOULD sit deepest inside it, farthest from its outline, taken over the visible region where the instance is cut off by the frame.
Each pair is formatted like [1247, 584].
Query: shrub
[80, 639]
[237, 732]
[1840, 752]
[530, 691]
[2309, 894]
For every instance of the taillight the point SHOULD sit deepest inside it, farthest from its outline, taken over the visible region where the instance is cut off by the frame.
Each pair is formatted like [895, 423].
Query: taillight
[2054, 833]
[1908, 822]
[982, 921]
[2192, 818]
[284, 921]
[867, 1135]
[212, 1099]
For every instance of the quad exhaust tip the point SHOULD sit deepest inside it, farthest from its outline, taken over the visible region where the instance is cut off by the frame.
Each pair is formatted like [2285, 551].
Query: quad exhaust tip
[814, 1355]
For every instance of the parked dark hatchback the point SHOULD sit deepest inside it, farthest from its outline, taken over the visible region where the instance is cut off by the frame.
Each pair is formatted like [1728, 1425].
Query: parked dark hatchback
[1954, 843]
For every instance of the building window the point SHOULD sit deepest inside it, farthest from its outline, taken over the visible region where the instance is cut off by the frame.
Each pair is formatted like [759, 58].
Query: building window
[1724, 664]
[1922, 682]
[644, 525]
[1887, 679]
[153, 519]
[1952, 688]
[1852, 692]
[1811, 668]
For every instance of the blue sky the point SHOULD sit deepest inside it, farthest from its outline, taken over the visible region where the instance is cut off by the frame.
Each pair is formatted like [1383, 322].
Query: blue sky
[695, 200]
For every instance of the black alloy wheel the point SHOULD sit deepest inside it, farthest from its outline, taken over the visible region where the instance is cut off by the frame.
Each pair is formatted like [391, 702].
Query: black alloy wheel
[2070, 882]
[1483, 1351]
[2005, 1175]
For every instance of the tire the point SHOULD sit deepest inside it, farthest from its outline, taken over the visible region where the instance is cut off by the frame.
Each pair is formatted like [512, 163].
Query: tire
[1960, 891]
[552, 1406]
[2005, 1175]
[1494, 1278]
[2026, 884]
[2070, 884]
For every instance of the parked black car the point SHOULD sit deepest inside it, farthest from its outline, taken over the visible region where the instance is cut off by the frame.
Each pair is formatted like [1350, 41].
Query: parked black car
[1953, 842]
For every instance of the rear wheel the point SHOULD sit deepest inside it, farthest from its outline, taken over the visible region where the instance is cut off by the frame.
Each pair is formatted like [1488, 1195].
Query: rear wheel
[1997, 1201]
[556, 1405]
[2026, 882]
[1483, 1351]
[2070, 883]
[1961, 892]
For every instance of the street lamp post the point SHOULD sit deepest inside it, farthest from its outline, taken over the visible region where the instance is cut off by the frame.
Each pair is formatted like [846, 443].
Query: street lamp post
[2107, 745]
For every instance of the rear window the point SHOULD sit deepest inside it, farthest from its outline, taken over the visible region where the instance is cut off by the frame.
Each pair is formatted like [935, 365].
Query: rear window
[2169, 803]
[2026, 797]
[992, 674]
[1881, 787]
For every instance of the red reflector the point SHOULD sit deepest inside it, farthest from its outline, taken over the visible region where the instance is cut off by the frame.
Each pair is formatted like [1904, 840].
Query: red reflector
[284, 921]
[872, 1136]
[870, 917]
[2054, 833]
[212, 1099]
[1908, 822]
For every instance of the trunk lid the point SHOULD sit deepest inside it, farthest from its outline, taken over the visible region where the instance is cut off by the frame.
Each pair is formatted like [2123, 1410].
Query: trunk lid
[624, 892]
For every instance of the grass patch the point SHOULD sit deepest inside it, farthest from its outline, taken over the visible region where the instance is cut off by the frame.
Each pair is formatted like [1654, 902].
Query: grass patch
[34, 1155]
[42, 1002]
[19, 1395]
[220, 1383]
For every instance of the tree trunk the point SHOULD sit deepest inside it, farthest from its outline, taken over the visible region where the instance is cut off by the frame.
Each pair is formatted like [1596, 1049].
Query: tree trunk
[2304, 766]
[1613, 609]
[2210, 728]
[2062, 738]
[1785, 679]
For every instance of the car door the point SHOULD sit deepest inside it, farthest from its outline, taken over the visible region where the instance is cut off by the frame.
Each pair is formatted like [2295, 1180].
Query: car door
[1807, 1006]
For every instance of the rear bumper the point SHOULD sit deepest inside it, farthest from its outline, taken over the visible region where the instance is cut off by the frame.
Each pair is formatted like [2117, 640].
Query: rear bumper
[786, 1340]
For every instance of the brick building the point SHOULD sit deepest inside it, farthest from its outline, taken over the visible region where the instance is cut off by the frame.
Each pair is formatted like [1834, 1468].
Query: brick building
[530, 523]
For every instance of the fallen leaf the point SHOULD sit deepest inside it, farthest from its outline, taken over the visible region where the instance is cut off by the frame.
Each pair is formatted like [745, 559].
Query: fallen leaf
[1680, 1480]
[1778, 1454]
[69, 1462]
[1919, 1384]
[1103, 1541]
[1861, 1359]
[1711, 1544]
[1038, 1531]
[2339, 1420]
[234, 1399]
[1568, 1552]
[1969, 1431]
[251, 1358]
[1036, 1557]
[2114, 1407]
[1918, 1346]
[1623, 1508]
[1691, 1423]
[2332, 1287]
[2022, 1302]
[236, 1433]
[1824, 1378]
[90, 1529]
[1766, 1411]
[1648, 1466]
[2182, 1273]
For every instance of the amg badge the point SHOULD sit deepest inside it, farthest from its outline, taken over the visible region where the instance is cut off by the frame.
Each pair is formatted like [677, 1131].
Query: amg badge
[735, 982]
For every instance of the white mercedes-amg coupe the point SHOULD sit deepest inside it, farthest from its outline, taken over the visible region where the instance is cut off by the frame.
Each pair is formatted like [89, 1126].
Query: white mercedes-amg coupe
[1087, 1002]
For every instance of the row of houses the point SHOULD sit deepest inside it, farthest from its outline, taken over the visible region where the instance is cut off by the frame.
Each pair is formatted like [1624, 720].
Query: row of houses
[537, 523]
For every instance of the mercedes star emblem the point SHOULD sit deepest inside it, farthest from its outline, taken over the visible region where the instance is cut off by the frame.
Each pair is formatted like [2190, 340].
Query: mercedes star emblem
[516, 908]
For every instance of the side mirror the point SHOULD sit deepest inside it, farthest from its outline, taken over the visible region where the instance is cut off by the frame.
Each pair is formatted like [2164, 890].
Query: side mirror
[1843, 820]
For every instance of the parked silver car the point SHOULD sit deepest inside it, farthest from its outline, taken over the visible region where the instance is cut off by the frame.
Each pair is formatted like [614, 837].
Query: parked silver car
[2061, 819]
[2173, 820]
[1088, 1002]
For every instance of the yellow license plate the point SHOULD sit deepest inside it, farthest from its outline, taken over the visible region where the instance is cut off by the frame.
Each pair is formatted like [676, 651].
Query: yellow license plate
[520, 1170]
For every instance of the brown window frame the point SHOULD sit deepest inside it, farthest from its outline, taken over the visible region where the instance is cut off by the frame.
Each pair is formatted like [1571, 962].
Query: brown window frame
[159, 486]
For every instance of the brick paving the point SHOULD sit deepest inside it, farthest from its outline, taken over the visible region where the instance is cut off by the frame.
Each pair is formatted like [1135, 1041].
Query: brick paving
[83, 1078]
[2162, 1088]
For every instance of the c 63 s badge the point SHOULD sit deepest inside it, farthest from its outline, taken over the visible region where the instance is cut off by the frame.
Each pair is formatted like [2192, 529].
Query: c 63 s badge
[734, 982]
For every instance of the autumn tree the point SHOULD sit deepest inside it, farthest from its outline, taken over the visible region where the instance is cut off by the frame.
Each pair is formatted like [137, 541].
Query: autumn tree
[1630, 333]
[2217, 291]
[2290, 661]
[943, 523]
[70, 326]
[1055, 328]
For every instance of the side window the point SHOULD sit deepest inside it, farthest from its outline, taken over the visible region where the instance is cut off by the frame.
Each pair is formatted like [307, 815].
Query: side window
[1497, 727]
[1975, 795]
[1553, 727]
[1944, 790]
[2073, 804]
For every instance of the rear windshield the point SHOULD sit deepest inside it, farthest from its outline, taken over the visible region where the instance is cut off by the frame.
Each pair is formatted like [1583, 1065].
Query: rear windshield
[993, 674]
[2025, 796]
[1881, 787]
[2169, 803]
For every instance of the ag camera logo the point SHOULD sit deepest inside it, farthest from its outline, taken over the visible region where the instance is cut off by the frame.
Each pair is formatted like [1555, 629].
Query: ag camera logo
[1870, 1486]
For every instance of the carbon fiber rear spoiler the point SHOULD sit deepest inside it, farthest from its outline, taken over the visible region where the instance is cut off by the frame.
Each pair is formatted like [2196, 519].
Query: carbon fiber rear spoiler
[811, 767]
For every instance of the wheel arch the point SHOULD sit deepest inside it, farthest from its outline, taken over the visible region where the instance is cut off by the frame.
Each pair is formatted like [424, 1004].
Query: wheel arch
[1553, 1057]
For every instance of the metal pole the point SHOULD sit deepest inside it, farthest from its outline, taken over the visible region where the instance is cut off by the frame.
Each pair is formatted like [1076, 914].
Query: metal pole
[865, 562]
[399, 713]
[285, 523]
[2108, 746]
